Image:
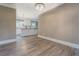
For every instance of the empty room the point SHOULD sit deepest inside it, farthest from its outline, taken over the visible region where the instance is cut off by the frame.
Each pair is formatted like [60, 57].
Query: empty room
[39, 29]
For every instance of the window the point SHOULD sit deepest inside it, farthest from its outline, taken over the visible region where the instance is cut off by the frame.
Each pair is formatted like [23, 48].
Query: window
[34, 24]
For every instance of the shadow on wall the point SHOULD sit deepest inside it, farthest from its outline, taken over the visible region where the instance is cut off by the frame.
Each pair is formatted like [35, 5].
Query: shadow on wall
[7, 23]
[61, 23]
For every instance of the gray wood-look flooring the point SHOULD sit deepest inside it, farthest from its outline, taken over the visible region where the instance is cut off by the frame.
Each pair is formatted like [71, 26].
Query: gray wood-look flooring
[34, 46]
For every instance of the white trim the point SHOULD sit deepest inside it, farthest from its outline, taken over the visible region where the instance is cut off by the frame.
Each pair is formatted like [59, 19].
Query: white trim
[7, 41]
[60, 41]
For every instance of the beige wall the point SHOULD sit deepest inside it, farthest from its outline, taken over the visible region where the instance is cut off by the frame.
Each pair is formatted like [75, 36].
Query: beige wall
[61, 23]
[7, 23]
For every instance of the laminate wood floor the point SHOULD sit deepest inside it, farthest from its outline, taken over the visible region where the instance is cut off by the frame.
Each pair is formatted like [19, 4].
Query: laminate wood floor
[34, 46]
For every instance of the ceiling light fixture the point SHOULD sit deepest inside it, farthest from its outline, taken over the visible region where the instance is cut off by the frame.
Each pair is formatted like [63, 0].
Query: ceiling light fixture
[39, 6]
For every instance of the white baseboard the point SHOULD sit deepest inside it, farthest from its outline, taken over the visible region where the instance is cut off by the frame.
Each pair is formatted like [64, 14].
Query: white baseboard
[61, 42]
[7, 41]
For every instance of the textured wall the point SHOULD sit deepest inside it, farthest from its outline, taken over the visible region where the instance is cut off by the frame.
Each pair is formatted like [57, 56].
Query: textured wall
[7, 23]
[61, 23]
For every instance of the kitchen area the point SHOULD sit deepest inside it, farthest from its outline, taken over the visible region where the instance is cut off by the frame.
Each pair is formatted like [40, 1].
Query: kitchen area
[26, 27]
[26, 21]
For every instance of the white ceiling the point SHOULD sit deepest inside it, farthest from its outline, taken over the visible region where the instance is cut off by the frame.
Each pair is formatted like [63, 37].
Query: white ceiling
[27, 10]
